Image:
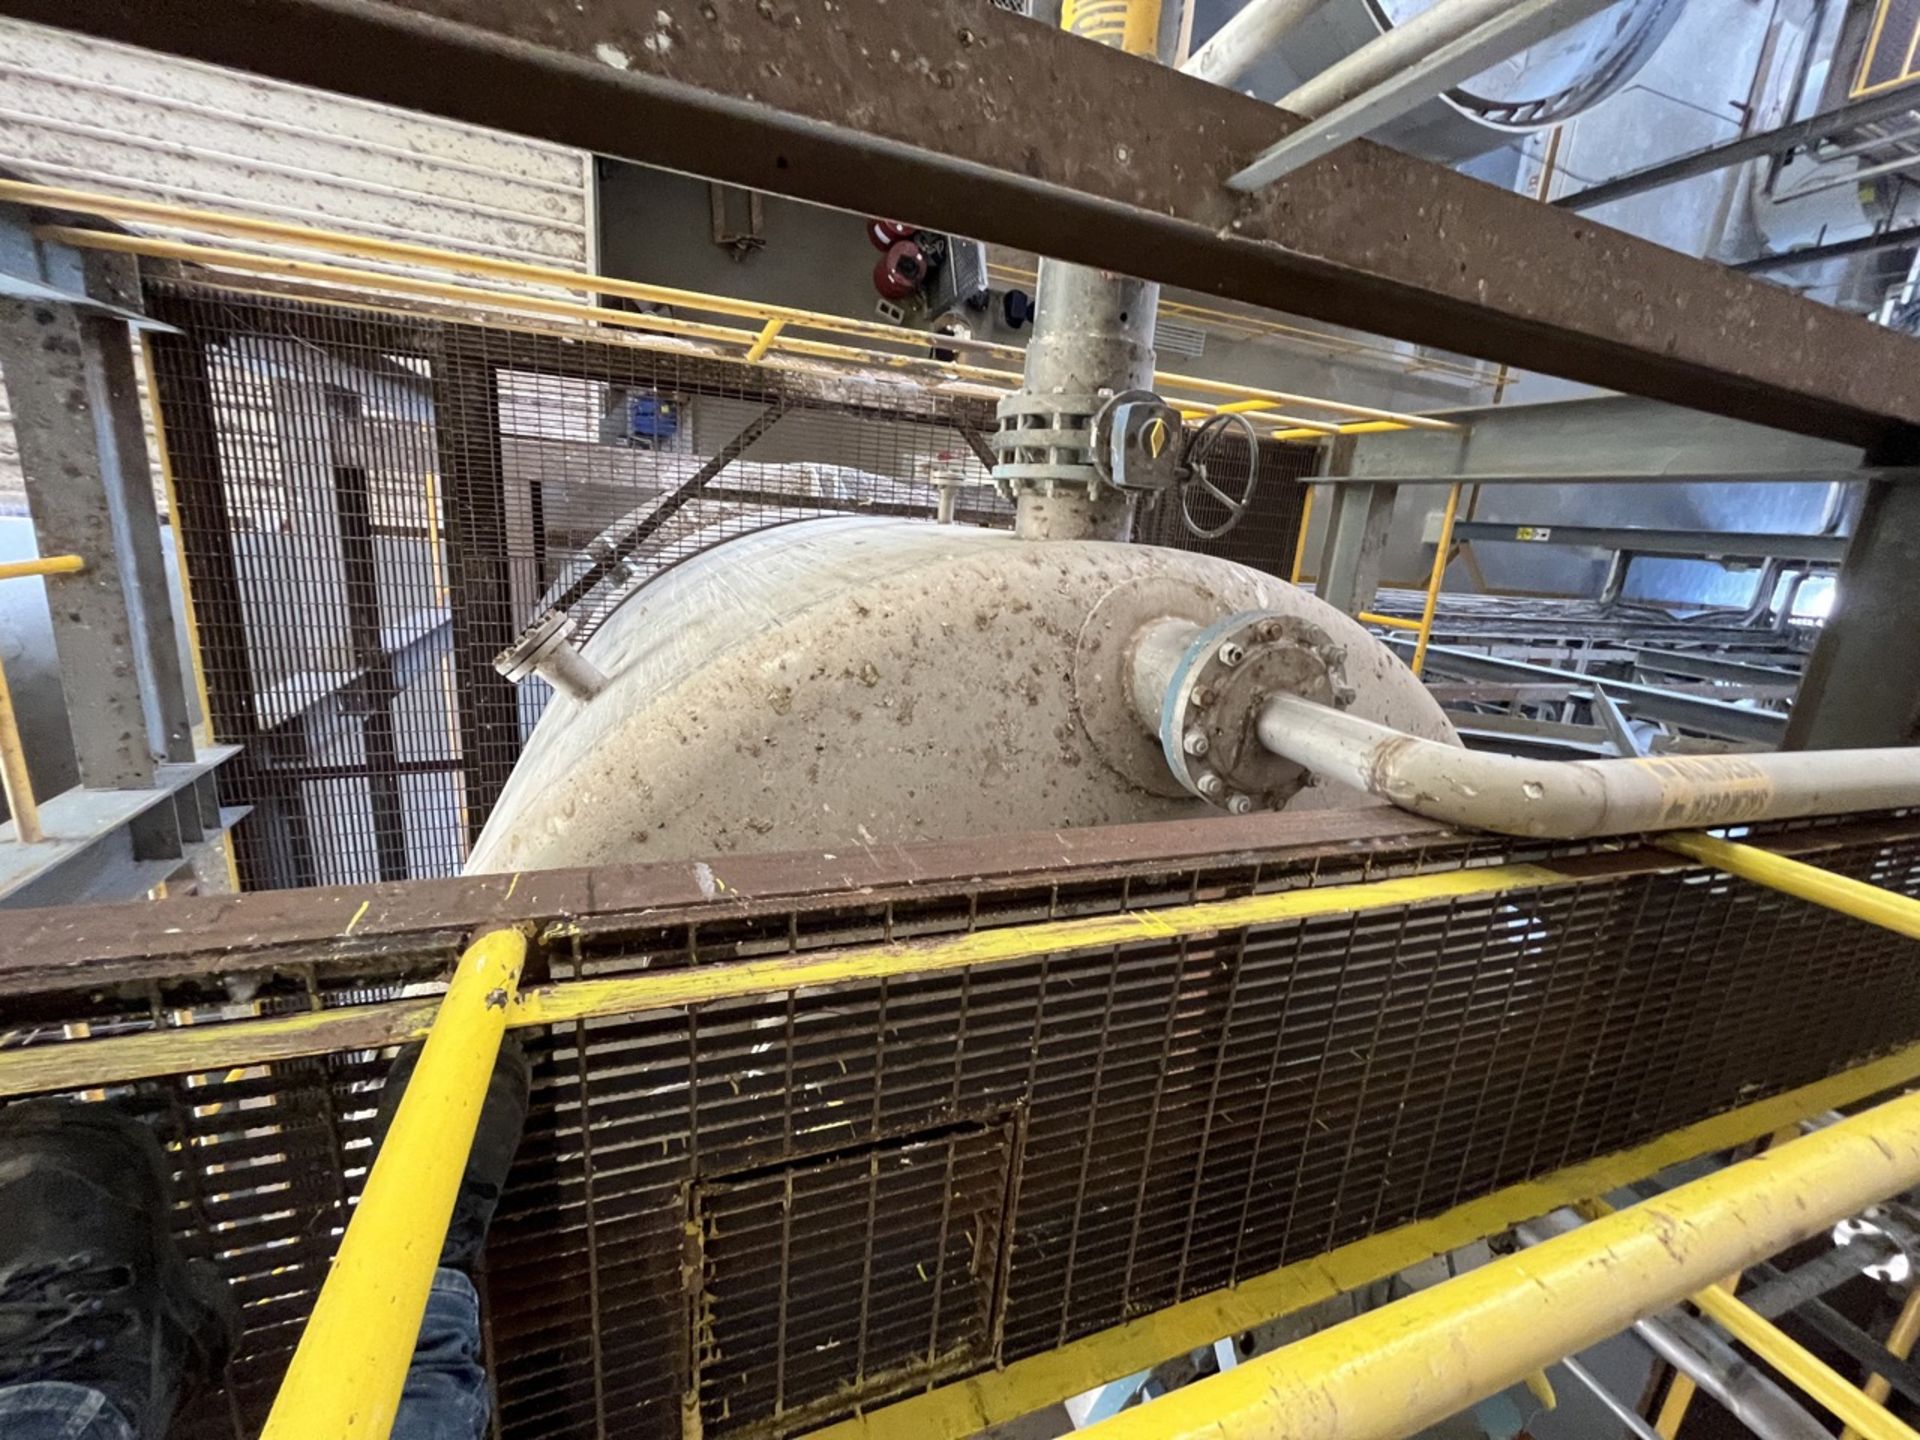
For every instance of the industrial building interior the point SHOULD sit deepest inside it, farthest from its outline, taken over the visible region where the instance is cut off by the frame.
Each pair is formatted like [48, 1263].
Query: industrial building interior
[1175, 717]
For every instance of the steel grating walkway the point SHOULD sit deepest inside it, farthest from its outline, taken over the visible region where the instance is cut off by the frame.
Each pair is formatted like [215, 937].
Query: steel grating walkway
[790, 1203]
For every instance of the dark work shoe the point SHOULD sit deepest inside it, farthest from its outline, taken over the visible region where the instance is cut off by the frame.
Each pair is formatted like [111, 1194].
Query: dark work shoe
[93, 1288]
[495, 1140]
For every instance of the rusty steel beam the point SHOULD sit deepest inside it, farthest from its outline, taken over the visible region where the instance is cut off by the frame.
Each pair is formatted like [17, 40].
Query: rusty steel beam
[960, 117]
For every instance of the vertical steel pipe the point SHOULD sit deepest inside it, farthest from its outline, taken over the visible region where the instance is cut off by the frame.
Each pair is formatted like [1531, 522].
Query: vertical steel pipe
[14, 774]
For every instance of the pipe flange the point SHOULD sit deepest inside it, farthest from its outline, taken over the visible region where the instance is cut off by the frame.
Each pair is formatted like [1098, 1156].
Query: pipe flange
[537, 644]
[1208, 723]
[1102, 660]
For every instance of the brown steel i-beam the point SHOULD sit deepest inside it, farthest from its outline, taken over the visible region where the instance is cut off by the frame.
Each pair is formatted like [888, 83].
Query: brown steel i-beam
[959, 117]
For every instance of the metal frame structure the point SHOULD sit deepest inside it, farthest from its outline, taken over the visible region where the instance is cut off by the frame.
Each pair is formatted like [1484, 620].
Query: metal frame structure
[146, 808]
[951, 133]
[975, 120]
[409, 929]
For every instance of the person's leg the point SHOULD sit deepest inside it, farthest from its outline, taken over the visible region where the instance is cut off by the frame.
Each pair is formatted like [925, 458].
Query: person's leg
[58, 1411]
[103, 1322]
[446, 1395]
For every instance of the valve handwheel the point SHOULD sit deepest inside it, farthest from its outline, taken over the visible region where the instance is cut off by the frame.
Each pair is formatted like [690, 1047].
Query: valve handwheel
[1200, 450]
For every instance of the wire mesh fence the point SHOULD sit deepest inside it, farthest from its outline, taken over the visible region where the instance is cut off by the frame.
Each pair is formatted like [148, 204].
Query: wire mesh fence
[374, 505]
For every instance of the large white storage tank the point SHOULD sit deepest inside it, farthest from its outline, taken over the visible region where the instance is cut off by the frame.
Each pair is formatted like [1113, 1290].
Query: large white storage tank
[864, 682]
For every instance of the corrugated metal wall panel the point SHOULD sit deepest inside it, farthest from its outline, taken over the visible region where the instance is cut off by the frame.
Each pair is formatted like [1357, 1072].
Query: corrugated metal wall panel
[80, 112]
[92, 115]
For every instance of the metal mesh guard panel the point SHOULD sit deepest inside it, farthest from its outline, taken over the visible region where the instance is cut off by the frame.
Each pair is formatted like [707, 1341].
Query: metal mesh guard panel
[1107, 1133]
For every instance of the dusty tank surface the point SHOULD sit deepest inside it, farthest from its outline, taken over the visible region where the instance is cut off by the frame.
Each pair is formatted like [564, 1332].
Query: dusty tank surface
[852, 681]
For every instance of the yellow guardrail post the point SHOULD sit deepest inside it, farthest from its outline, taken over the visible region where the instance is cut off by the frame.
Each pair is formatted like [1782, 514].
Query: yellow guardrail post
[351, 1364]
[1885, 908]
[763, 342]
[1906, 1329]
[1300, 541]
[1436, 579]
[15, 778]
[13, 772]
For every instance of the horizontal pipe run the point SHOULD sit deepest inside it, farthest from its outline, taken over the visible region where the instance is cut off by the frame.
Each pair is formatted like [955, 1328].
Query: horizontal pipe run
[47, 565]
[1885, 908]
[1709, 1364]
[1402, 1367]
[1571, 800]
[1699, 1354]
[346, 1377]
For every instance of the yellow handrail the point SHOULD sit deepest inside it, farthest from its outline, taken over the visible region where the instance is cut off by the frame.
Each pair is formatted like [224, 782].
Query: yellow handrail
[351, 1364]
[1396, 1369]
[45, 565]
[38, 1069]
[1300, 540]
[1885, 908]
[1389, 622]
[1359, 418]
[15, 778]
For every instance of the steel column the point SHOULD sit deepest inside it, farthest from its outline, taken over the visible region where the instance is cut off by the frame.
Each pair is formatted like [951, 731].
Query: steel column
[1862, 684]
[466, 407]
[1355, 546]
[67, 374]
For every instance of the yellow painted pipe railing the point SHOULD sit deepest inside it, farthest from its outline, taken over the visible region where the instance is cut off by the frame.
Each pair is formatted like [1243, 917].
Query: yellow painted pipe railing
[46, 565]
[1906, 1329]
[1436, 579]
[15, 778]
[1871, 903]
[1857, 1409]
[1390, 622]
[14, 775]
[351, 1364]
[1395, 1370]
[1357, 418]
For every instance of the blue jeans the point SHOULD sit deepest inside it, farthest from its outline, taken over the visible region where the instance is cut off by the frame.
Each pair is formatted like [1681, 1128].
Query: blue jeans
[445, 1397]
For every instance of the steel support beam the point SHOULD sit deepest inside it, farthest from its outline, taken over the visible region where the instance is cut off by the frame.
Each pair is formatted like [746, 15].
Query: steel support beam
[1838, 250]
[1689, 712]
[1512, 28]
[70, 380]
[1701, 544]
[1784, 138]
[1355, 546]
[977, 121]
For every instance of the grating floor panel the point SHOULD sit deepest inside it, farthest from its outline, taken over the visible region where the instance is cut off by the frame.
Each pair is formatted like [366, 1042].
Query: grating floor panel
[787, 1205]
